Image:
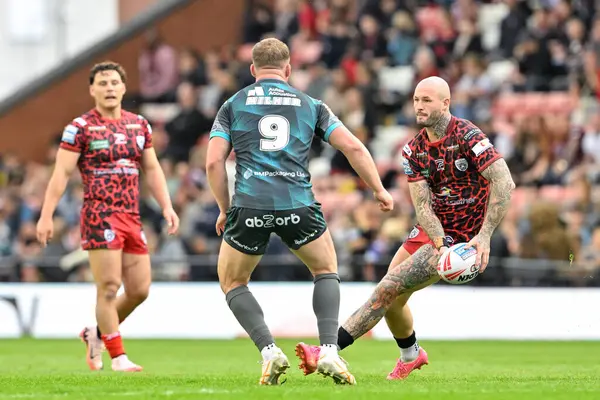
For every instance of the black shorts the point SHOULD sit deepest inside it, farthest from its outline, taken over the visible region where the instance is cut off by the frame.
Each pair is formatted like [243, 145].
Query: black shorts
[248, 230]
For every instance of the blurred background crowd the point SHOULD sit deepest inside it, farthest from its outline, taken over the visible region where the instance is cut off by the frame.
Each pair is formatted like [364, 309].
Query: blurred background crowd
[526, 72]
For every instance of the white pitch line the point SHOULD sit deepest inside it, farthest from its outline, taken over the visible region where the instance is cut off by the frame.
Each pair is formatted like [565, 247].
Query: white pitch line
[117, 394]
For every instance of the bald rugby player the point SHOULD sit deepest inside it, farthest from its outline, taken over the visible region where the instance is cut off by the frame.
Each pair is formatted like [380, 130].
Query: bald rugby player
[461, 189]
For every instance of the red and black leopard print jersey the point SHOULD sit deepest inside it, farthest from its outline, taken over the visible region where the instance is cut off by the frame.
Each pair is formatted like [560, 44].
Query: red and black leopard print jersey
[452, 167]
[110, 160]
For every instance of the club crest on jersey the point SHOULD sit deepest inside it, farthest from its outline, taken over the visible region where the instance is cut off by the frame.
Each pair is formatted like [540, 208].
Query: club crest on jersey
[439, 163]
[141, 141]
[407, 150]
[461, 164]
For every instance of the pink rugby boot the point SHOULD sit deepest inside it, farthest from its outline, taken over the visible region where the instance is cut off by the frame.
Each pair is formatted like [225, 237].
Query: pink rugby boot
[403, 369]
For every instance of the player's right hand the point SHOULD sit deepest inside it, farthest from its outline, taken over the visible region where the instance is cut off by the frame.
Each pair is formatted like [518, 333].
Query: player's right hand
[386, 202]
[220, 226]
[172, 221]
[45, 231]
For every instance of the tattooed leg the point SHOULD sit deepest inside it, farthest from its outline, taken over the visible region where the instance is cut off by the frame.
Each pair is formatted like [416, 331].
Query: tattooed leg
[417, 270]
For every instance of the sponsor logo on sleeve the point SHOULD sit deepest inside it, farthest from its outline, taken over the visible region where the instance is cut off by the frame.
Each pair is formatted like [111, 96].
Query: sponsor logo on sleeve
[482, 146]
[472, 133]
[407, 169]
[69, 134]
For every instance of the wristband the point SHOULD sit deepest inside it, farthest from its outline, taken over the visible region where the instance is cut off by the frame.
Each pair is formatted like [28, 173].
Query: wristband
[440, 242]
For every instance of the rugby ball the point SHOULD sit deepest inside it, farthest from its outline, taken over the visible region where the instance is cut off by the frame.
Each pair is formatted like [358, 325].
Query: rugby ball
[457, 264]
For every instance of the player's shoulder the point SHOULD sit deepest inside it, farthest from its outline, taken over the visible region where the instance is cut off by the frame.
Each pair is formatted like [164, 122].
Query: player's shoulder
[130, 116]
[85, 120]
[314, 102]
[465, 129]
[415, 144]
[134, 120]
[240, 94]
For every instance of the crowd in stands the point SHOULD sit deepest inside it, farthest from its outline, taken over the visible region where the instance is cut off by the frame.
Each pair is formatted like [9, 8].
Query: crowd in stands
[526, 72]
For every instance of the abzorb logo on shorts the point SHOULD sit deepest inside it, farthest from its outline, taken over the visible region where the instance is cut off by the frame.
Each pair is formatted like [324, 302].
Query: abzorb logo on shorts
[465, 253]
[269, 221]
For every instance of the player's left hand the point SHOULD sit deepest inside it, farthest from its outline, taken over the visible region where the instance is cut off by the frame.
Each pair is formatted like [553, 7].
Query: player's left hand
[482, 244]
[172, 221]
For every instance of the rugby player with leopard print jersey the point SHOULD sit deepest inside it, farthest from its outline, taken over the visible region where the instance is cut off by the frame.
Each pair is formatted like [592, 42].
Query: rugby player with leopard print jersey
[452, 168]
[461, 189]
[110, 147]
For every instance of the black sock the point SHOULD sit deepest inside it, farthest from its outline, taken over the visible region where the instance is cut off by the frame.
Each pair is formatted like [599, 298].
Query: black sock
[407, 342]
[344, 338]
[98, 332]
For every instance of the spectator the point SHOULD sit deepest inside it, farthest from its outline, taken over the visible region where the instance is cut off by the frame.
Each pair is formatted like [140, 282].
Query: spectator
[187, 127]
[190, 68]
[258, 22]
[158, 70]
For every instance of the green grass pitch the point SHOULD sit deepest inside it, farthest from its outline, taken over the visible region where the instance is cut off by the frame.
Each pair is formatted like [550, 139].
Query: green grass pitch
[201, 369]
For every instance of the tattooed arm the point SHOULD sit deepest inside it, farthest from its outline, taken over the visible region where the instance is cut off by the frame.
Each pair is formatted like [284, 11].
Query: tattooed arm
[501, 187]
[416, 272]
[422, 197]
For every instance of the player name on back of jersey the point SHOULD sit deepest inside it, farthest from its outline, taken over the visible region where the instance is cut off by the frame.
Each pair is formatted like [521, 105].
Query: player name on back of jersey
[274, 97]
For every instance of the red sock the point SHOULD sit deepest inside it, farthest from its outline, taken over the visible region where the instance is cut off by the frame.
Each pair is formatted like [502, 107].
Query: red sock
[114, 344]
[98, 328]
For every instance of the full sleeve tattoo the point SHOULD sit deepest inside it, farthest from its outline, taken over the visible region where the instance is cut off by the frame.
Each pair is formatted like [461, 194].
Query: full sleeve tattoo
[422, 197]
[501, 187]
[417, 271]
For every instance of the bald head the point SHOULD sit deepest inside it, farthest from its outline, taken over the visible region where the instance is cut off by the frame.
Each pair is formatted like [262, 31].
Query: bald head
[434, 84]
[431, 100]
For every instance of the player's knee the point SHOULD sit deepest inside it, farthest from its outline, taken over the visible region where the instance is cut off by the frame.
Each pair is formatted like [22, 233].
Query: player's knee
[323, 268]
[330, 275]
[228, 286]
[108, 290]
[138, 294]
[398, 309]
[230, 278]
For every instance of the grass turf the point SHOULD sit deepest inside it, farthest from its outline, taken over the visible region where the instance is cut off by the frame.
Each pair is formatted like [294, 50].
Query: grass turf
[197, 369]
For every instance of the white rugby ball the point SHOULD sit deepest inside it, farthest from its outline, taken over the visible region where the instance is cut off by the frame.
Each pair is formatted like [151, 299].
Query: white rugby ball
[457, 264]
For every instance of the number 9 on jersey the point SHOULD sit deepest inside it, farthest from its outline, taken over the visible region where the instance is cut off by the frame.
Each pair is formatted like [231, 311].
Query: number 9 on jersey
[276, 130]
